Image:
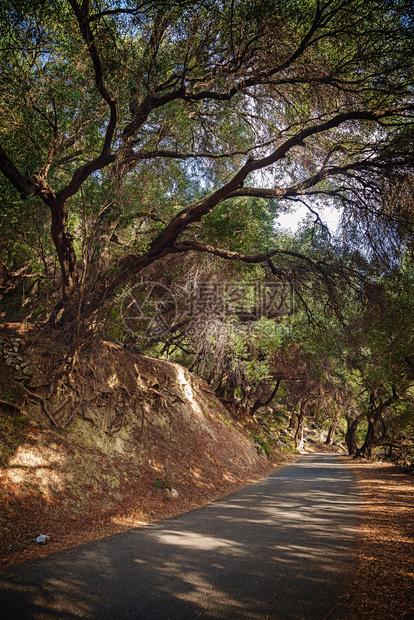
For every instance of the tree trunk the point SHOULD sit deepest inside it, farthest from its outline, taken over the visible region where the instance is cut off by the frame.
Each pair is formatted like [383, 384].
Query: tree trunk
[246, 395]
[350, 437]
[63, 241]
[331, 433]
[376, 407]
[299, 435]
[366, 448]
[299, 429]
[260, 403]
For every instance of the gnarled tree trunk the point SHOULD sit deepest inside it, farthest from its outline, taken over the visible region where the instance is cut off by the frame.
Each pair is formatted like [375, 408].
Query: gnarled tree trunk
[299, 428]
[376, 407]
[350, 437]
[331, 433]
[259, 403]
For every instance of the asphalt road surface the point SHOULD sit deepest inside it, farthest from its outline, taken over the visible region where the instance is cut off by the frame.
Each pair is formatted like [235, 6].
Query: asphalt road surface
[282, 548]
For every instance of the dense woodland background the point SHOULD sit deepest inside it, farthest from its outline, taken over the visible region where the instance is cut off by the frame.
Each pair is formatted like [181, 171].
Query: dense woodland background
[158, 142]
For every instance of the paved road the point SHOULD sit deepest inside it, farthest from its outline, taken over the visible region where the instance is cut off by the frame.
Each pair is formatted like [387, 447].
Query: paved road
[282, 548]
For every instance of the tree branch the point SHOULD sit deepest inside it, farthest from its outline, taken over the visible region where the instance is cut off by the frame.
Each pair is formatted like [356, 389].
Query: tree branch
[197, 210]
[260, 257]
[82, 173]
[13, 174]
[82, 16]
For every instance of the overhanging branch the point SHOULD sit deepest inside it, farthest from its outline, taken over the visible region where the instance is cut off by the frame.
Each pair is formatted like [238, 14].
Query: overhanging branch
[234, 187]
[13, 174]
[260, 257]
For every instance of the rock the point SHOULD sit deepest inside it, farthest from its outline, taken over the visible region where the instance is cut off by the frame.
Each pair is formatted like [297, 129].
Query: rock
[42, 539]
[171, 493]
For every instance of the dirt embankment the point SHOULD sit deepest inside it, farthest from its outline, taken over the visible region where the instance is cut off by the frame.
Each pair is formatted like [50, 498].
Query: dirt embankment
[82, 482]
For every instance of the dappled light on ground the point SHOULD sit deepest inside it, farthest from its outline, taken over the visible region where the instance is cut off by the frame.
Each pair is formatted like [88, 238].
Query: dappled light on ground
[80, 483]
[280, 548]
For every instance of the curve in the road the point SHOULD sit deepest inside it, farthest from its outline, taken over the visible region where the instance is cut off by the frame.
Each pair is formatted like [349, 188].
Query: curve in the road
[282, 548]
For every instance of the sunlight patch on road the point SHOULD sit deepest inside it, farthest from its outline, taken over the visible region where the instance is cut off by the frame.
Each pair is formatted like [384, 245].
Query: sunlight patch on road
[199, 542]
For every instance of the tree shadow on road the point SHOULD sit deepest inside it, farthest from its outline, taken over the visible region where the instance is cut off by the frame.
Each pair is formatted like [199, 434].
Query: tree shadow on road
[280, 548]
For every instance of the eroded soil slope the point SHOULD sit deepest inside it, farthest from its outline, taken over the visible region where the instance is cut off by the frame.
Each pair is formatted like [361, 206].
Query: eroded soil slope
[80, 481]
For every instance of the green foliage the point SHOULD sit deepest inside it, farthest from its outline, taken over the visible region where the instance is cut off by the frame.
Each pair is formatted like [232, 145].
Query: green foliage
[163, 483]
[262, 446]
[11, 394]
[254, 232]
[20, 421]
[204, 121]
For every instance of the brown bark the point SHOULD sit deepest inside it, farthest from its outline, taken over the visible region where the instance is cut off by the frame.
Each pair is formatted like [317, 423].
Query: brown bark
[331, 433]
[260, 403]
[350, 437]
[63, 241]
[299, 428]
[375, 410]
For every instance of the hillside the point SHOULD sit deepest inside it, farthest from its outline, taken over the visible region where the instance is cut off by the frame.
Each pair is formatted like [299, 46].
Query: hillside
[84, 479]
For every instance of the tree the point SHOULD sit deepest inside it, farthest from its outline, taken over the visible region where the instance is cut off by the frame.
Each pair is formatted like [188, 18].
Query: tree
[132, 121]
[384, 357]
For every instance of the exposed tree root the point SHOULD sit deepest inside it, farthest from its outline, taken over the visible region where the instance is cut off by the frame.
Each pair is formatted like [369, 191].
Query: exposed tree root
[11, 405]
[99, 382]
[44, 407]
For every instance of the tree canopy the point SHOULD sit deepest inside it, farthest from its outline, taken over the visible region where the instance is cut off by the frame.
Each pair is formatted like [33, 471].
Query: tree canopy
[137, 136]
[143, 117]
